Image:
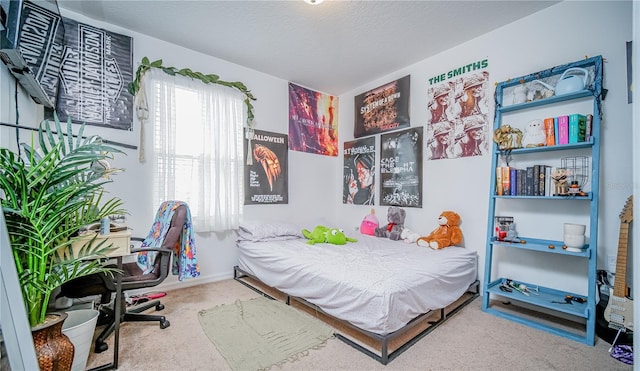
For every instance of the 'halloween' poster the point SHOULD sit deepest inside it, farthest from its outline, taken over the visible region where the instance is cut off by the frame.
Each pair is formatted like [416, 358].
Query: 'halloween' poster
[401, 168]
[313, 121]
[266, 177]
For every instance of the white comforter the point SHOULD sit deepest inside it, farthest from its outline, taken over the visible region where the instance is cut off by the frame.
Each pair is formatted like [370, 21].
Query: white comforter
[377, 284]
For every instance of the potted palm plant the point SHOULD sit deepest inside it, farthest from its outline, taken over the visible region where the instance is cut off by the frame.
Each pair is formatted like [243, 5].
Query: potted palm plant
[48, 194]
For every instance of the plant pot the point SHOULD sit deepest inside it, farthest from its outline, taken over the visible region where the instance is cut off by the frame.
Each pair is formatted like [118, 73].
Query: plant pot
[54, 350]
[79, 327]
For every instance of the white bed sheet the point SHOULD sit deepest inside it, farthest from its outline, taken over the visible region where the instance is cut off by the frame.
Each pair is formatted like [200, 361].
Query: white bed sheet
[376, 284]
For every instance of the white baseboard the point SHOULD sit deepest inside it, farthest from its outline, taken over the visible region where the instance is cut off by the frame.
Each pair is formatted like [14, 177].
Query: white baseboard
[168, 286]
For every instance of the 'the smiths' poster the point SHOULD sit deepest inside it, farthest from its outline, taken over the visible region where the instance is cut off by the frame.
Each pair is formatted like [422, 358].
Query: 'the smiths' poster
[382, 109]
[266, 169]
[95, 70]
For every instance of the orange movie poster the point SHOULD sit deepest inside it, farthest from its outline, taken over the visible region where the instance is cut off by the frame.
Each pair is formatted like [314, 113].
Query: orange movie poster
[313, 121]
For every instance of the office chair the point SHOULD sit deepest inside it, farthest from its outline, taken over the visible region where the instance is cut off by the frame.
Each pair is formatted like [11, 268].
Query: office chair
[133, 278]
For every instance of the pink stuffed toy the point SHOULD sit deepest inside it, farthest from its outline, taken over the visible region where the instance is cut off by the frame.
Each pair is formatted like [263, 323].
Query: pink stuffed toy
[447, 234]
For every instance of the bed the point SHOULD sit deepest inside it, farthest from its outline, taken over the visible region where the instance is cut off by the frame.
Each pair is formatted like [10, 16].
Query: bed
[379, 289]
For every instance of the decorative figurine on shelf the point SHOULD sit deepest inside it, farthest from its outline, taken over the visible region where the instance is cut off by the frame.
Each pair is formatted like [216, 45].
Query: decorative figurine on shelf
[559, 177]
[512, 234]
[534, 134]
[574, 189]
[507, 137]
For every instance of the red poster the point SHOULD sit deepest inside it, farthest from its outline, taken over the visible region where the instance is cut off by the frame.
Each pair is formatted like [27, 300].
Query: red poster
[313, 121]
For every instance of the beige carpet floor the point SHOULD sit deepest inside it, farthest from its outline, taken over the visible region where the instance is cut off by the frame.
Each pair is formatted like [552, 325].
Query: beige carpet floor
[470, 340]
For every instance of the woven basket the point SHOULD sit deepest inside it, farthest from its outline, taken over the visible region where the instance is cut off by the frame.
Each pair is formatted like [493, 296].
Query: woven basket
[54, 350]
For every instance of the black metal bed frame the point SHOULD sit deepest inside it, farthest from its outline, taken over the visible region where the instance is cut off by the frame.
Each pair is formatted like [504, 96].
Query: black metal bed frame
[384, 357]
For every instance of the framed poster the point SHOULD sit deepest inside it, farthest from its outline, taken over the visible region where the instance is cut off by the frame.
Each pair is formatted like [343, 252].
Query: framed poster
[313, 121]
[457, 114]
[382, 109]
[266, 177]
[359, 180]
[401, 168]
[95, 69]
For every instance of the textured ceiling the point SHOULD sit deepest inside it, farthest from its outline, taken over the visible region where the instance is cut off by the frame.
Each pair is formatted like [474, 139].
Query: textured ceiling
[332, 47]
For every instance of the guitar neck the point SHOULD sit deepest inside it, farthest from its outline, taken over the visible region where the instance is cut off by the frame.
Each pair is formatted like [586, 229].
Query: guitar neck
[620, 285]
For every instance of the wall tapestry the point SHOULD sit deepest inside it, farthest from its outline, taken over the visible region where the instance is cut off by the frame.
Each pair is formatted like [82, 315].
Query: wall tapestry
[401, 168]
[95, 69]
[359, 183]
[382, 109]
[265, 176]
[41, 43]
[457, 115]
[313, 121]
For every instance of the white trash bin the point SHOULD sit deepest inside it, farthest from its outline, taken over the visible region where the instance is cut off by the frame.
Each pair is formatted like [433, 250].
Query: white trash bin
[79, 327]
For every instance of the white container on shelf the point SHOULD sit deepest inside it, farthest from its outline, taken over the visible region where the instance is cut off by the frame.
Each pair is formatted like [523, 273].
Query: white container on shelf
[574, 240]
[574, 229]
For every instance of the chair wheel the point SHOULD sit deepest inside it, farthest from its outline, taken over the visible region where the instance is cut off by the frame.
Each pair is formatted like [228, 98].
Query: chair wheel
[164, 324]
[101, 347]
[160, 307]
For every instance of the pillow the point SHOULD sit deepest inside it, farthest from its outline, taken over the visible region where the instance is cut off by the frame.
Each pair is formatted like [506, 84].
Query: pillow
[265, 231]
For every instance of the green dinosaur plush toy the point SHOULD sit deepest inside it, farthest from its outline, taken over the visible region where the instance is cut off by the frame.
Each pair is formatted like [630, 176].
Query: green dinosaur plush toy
[322, 234]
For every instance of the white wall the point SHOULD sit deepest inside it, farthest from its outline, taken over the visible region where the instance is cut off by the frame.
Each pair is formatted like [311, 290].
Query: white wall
[557, 35]
[216, 253]
[538, 42]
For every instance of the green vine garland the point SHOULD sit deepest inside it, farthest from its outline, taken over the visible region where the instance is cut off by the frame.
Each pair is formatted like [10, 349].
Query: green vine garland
[146, 65]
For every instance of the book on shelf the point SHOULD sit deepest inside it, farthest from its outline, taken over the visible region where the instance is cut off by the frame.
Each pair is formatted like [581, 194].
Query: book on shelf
[542, 186]
[501, 228]
[536, 180]
[563, 129]
[529, 182]
[548, 186]
[499, 181]
[513, 181]
[588, 128]
[506, 181]
[577, 127]
[521, 175]
[549, 131]
[555, 130]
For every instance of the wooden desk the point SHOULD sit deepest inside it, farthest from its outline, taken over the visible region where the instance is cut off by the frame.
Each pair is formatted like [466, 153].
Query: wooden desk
[121, 242]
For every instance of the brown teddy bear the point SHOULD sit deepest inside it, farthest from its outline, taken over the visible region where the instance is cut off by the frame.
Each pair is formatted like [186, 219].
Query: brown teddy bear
[447, 234]
[393, 229]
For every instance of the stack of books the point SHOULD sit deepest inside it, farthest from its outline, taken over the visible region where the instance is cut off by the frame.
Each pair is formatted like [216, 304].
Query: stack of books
[568, 129]
[531, 181]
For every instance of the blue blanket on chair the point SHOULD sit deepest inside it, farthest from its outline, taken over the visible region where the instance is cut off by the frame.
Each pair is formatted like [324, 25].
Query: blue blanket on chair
[184, 259]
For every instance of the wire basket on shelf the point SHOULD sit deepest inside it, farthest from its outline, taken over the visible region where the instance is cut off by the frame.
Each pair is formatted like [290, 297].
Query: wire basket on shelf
[577, 174]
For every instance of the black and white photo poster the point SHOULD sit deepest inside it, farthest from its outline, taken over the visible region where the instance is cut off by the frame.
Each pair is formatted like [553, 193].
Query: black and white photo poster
[401, 168]
[96, 67]
[266, 178]
[359, 180]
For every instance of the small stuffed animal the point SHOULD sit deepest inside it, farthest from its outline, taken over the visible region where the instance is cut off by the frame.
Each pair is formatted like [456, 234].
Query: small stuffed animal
[409, 236]
[447, 234]
[369, 224]
[393, 229]
[322, 234]
[534, 135]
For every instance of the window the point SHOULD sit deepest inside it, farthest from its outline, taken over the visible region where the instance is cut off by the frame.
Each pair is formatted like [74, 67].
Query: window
[198, 148]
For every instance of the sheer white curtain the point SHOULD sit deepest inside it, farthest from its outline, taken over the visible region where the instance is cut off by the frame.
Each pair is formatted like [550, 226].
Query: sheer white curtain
[197, 148]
